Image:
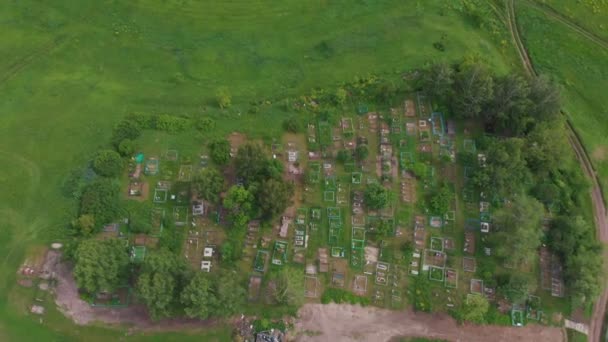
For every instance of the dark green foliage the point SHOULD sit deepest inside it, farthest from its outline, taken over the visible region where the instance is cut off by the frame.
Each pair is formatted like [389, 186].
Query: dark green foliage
[172, 237]
[437, 80]
[273, 197]
[101, 265]
[209, 183]
[107, 163]
[519, 233]
[340, 296]
[545, 98]
[510, 104]
[172, 123]
[376, 196]
[239, 202]
[573, 240]
[545, 150]
[230, 294]
[344, 156]
[126, 148]
[473, 89]
[475, 309]
[198, 298]
[139, 214]
[204, 124]
[251, 163]
[439, 200]
[291, 125]
[126, 129]
[361, 152]
[506, 172]
[219, 151]
[101, 199]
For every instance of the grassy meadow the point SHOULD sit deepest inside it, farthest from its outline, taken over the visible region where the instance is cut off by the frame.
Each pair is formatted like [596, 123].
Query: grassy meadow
[69, 70]
[589, 14]
[582, 69]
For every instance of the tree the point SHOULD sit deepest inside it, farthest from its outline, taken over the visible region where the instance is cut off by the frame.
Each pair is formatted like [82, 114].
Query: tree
[84, 225]
[505, 171]
[519, 233]
[126, 148]
[376, 196]
[361, 152]
[107, 163]
[545, 98]
[219, 151]
[101, 265]
[230, 294]
[510, 105]
[439, 201]
[138, 214]
[273, 196]
[473, 89]
[344, 156]
[341, 95]
[290, 287]
[209, 183]
[518, 286]
[157, 291]
[239, 201]
[198, 297]
[223, 98]
[126, 129]
[291, 125]
[437, 81]
[101, 199]
[546, 151]
[475, 309]
[251, 163]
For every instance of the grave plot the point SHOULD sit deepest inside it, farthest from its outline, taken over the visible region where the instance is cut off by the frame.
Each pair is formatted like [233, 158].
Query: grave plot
[160, 195]
[438, 124]
[342, 195]
[360, 285]
[517, 317]
[180, 216]
[469, 146]
[420, 238]
[451, 278]
[337, 252]
[451, 127]
[436, 274]
[255, 284]
[120, 298]
[261, 261]
[408, 188]
[301, 237]
[312, 137]
[311, 286]
[157, 217]
[476, 286]
[171, 155]
[151, 167]
[372, 119]
[138, 254]
[379, 297]
[409, 108]
[437, 244]
[557, 278]
[406, 160]
[110, 231]
[347, 126]
[382, 269]
[185, 173]
[286, 222]
[323, 260]
[410, 129]
[433, 258]
[135, 189]
[449, 244]
[469, 242]
[435, 221]
[299, 256]
[193, 250]
[414, 265]
[315, 172]
[358, 238]
[325, 135]
[279, 253]
[356, 177]
[384, 134]
[469, 264]
[533, 311]
[357, 258]
[422, 105]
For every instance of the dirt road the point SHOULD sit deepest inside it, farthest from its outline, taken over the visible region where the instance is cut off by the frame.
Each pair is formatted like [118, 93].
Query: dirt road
[333, 322]
[599, 208]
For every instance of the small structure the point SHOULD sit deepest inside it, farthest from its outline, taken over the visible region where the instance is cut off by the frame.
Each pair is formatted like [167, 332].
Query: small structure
[208, 252]
[323, 260]
[151, 167]
[206, 266]
[198, 208]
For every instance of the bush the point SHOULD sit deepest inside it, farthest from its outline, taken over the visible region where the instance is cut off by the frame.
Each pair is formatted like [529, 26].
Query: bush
[220, 151]
[291, 125]
[341, 296]
[126, 148]
[171, 124]
[107, 163]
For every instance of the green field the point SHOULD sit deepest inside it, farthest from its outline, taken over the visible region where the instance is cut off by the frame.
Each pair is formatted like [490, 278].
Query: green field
[589, 14]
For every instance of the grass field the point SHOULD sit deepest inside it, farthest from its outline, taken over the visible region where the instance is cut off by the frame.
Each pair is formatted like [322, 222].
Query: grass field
[582, 69]
[589, 14]
[69, 70]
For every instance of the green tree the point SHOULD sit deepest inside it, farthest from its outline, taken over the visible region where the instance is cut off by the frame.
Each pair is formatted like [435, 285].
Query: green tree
[223, 98]
[126, 148]
[126, 129]
[291, 125]
[511, 104]
[209, 183]
[439, 201]
[101, 265]
[84, 225]
[341, 95]
[101, 199]
[545, 150]
[437, 81]
[138, 214]
[290, 287]
[157, 291]
[545, 97]
[107, 163]
[361, 152]
[198, 297]
[230, 294]
[344, 156]
[251, 163]
[519, 233]
[473, 89]
[239, 201]
[219, 151]
[376, 196]
[506, 171]
[274, 196]
[475, 309]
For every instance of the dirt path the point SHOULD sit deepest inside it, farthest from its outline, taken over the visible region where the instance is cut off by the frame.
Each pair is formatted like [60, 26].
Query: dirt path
[333, 322]
[597, 197]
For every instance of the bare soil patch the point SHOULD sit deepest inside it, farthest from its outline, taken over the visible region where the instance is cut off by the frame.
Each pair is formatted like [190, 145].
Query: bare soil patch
[335, 322]
[600, 153]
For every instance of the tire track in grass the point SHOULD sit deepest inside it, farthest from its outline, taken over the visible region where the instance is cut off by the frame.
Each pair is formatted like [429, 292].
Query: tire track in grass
[597, 196]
